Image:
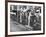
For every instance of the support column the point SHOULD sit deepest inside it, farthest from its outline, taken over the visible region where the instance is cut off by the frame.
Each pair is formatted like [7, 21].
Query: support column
[17, 16]
[17, 13]
[26, 18]
[20, 17]
[29, 20]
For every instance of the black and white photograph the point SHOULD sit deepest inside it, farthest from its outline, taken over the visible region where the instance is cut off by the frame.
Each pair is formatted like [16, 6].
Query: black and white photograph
[25, 18]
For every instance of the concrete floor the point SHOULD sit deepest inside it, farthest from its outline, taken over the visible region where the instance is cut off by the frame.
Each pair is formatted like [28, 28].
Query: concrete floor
[14, 26]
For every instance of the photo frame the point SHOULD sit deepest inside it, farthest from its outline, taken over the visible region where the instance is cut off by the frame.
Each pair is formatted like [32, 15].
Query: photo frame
[24, 18]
